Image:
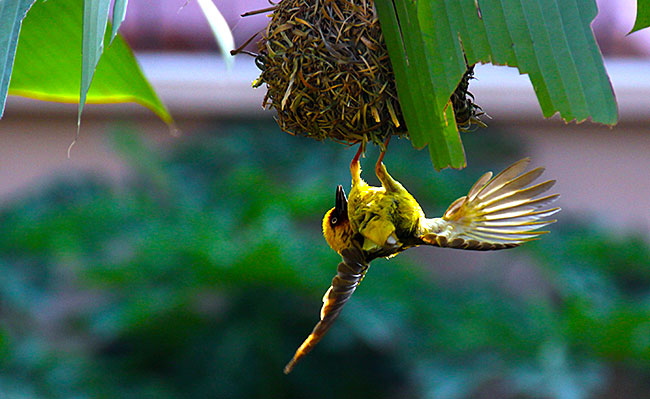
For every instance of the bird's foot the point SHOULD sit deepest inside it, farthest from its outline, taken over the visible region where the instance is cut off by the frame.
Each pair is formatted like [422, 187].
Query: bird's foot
[380, 170]
[355, 168]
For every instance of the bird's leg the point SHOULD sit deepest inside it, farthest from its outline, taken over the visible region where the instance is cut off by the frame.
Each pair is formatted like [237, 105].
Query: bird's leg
[355, 168]
[383, 152]
[386, 180]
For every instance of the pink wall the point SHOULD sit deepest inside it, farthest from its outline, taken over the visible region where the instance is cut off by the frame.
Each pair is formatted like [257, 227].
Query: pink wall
[179, 25]
[602, 173]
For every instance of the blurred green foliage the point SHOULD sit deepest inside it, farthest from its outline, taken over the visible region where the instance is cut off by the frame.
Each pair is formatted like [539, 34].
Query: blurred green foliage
[200, 276]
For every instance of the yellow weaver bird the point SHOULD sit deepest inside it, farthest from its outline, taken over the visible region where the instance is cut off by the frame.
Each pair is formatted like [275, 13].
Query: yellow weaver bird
[497, 213]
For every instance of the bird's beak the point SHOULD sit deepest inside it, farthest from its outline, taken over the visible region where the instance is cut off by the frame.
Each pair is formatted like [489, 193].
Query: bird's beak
[341, 201]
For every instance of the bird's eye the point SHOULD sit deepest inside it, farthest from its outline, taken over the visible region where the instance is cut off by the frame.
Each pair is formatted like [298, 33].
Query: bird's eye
[333, 220]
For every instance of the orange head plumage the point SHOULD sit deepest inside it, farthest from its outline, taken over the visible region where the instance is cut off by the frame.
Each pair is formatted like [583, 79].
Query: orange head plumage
[336, 225]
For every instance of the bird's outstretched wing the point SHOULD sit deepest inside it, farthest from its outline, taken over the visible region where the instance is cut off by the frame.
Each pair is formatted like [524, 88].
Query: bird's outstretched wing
[498, 213]
[349, 274]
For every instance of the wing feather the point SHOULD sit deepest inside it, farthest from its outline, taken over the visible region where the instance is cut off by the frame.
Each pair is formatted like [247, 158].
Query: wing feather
[505, 176]
[524, 194]
[517, 183]
[476, 188]
[349, 274]
[500, 212]
[513, 228]
[520, 217]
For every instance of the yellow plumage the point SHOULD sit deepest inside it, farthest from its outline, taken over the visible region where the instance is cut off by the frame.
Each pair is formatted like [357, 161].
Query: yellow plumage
[500, 212]
[381, 214]
[497, 213]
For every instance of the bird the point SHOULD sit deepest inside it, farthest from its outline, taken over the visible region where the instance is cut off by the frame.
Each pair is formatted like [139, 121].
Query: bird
[498, 212]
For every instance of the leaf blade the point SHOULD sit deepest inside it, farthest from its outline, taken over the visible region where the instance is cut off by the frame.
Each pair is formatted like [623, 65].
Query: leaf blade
[414, 87]
[40, 72]
[95, 20]
[553, 43]
[11, 18]
[119, 13]
[642, 20]
[550, 40]
[220, 29]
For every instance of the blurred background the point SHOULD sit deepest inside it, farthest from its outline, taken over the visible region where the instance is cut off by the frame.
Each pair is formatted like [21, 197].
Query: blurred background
[192, 265]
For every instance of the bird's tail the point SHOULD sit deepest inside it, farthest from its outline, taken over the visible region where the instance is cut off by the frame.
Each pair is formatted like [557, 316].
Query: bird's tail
[349, 274]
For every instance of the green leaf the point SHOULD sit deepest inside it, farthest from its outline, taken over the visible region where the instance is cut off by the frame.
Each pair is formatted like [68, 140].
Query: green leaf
[416, 89]
[220, 29]
[94, 24]
[119, 13]
[642, 15]
[50, 69]
[550, 40]
[11, 18]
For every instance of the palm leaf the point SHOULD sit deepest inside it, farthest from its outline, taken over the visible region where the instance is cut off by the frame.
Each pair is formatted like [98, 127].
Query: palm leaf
[11, 18]
[550, 40]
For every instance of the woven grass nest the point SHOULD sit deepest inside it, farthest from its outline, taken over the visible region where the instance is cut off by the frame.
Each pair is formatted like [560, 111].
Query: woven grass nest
[328, 73]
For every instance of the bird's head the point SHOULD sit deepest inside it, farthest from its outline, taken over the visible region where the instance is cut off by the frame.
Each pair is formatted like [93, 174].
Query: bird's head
[336, 225]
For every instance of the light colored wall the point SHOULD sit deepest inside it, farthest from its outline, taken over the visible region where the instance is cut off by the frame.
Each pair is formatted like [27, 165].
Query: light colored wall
[31, 149]
[600, 171]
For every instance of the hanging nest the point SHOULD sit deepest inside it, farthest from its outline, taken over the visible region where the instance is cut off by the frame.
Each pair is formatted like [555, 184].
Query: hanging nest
[466, 111]
[329, 75]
